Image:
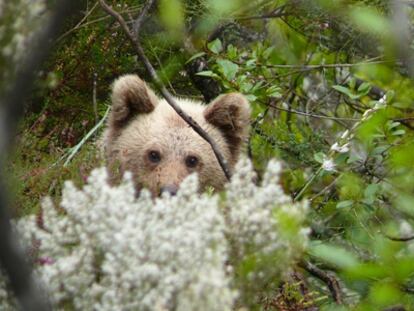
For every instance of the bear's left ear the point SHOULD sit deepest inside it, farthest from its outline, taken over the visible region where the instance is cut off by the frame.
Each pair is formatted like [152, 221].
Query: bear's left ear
[231, 114]
[130, 97]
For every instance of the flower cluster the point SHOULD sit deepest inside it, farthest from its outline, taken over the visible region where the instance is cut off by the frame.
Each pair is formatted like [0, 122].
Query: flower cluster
[106, 249]
[265, 229]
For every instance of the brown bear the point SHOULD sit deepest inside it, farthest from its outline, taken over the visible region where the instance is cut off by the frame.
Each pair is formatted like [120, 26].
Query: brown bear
[147, 137]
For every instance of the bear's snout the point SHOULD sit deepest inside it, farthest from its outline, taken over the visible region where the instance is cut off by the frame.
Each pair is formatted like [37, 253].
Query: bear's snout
[171, 189]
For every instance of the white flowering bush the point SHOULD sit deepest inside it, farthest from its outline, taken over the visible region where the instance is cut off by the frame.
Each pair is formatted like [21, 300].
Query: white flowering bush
[105, 249]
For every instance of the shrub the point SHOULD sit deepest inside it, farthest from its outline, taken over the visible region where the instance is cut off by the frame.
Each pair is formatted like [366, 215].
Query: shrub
[107, 249]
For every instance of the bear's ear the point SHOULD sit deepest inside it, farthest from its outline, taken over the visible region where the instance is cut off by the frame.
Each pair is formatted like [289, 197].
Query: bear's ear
[130, 96]
[231, 114]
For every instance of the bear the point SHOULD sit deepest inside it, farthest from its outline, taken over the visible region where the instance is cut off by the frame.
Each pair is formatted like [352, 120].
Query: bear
[146, 137]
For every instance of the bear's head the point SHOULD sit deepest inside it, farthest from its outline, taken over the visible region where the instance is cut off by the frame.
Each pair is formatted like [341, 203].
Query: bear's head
[148, 138]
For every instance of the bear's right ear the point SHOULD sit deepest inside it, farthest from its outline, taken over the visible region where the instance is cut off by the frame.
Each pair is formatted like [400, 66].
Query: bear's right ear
[130, 97]
[231, 114]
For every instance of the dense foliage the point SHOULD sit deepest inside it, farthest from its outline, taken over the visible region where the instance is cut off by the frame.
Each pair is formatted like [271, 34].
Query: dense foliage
[331, 88]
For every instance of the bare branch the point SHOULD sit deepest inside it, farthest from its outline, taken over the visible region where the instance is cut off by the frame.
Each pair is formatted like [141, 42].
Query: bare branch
[306, 67]
[401, 239]
[396, 308]
[318, 116]
[141, 17]
[278, 12]
[12, 105]
[326, 277]
[163, 90]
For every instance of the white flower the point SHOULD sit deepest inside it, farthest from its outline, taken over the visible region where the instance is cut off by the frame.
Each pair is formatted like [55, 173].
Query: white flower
[112, 251]
[345, 134]
[340, 149]
[405, 228]
[328, 165]
[367, 113]
[383, 100]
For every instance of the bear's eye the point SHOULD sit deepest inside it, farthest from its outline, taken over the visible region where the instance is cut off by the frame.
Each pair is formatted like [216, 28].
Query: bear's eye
[154, 156]
[191, 161]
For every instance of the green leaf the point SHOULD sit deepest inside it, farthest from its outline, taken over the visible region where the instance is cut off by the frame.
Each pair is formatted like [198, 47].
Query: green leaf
[251, 63]
[319, 157]
[333, 254]
[364, 88]
[390, 95]
[232, 52]
[251, 97]
[392, 124]
[346, 91]
[352, 83]
[379, 150]
[370, 193]
[344, 204]
[398, 132]
[207, 73]
[228, 68]
[215, 46]
[273, 91]
[246, 87]
[257, 86]
[195, 56]
[353, 158]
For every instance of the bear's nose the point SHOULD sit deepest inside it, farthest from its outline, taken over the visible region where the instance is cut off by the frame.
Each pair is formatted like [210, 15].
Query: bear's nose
[171, 189]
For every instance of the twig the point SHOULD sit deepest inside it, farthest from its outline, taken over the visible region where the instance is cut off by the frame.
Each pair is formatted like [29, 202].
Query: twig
[396, 308]
[141, 17]
[168, 97]
[404, 119]
[78, 24]
[313, 115]
[320, 66]
[76, 148]
[11, 258]
[328, 278]
[325, 189]
[94, 103]
[308, 183]
[401, 239]
[97, 20]
[278, 12]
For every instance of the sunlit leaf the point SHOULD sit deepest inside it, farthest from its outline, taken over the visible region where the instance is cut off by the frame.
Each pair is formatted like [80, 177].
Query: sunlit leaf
[334, 255]
[346, 91]
[195, 56]
[319, 157]
[207, 73]
[344, 204]
[228, 68]
[215, 46]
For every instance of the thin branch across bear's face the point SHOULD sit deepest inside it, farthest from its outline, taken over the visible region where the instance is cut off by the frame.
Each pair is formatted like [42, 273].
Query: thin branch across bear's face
[147, 137]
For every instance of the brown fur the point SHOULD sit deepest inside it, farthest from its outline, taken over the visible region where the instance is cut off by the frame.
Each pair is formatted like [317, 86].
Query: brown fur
[141, 123]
